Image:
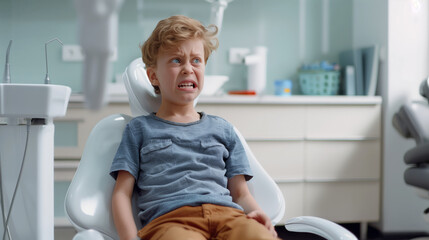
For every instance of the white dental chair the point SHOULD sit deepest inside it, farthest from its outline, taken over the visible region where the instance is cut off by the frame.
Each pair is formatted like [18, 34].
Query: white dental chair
[88, 200]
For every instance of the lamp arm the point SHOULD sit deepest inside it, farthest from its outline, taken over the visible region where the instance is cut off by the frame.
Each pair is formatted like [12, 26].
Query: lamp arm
[98, 34]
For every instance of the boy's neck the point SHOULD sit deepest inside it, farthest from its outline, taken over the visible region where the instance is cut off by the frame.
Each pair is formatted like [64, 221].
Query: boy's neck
[184, 114]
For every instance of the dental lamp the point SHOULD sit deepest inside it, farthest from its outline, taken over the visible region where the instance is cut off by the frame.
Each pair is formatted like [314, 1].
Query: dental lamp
[98, 35]
[217, 9]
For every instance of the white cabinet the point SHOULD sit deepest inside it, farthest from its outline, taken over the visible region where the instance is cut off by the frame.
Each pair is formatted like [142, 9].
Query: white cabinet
[323, 152]
[343, 201]
[261, 121]
[343, 121]
[281, 159]
[332, 160]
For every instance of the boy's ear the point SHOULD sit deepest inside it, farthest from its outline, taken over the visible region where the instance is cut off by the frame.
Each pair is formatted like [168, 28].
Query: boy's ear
[151, 74]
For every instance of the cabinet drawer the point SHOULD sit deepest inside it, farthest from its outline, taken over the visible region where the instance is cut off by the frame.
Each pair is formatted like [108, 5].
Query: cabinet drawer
[294, 199]
[283, 160]
[343, 201]
[343, 121]
[336, 160]
[262, 121]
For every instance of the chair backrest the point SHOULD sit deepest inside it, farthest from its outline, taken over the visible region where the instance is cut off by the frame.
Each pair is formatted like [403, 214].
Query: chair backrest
[88, 200]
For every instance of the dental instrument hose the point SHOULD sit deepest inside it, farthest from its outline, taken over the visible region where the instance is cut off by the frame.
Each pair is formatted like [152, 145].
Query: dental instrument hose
[47, 80]
[6, 76]
[2, 203]
[17, 181]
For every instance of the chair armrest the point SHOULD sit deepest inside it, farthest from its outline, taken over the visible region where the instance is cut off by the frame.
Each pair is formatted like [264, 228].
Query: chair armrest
[320, 227]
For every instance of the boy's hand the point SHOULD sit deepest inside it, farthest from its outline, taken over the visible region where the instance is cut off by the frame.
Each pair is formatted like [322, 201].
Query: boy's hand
[263, 219]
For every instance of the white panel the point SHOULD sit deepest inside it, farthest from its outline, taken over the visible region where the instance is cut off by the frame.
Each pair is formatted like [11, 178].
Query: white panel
[262, 121]
[343, 121]
[282, 160]
[33, 203]
[293, 194]
[404, 27]
[342, 201]
[342, 159]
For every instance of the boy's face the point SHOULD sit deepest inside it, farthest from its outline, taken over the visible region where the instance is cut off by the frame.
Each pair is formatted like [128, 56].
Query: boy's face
[179, 72]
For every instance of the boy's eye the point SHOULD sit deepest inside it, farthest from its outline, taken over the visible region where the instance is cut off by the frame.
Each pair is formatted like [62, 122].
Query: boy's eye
[196, 60]
[176, 60]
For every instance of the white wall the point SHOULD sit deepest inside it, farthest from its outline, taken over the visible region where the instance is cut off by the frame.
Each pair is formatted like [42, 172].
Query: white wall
[402, 28]
[407, 67]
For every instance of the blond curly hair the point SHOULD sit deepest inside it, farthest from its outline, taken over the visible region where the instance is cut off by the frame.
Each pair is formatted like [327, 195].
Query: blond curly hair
[170, 32]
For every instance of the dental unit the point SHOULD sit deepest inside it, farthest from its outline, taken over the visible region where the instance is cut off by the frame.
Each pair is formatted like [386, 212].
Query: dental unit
[26, 155]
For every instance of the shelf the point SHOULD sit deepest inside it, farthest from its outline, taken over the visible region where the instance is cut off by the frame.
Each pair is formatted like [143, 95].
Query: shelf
[298, 100]
[266, 99]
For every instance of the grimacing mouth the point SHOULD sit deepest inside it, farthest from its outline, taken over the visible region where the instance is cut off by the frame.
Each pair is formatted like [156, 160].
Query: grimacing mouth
[187, 85]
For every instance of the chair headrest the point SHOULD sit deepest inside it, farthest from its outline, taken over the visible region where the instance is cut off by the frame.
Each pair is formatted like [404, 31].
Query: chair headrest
[141, 94]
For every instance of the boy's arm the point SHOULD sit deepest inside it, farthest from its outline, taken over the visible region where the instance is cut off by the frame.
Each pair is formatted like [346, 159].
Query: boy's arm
[121, 206]
[241, 195]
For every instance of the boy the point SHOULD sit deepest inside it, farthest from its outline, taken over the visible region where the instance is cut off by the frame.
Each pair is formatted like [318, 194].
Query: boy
[190, 168]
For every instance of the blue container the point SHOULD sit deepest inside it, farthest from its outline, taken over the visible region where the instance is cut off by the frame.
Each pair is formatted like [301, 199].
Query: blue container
[319, 82]
[283, 87]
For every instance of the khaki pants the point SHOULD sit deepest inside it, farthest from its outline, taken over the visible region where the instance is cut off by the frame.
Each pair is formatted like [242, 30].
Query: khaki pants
[205, 222]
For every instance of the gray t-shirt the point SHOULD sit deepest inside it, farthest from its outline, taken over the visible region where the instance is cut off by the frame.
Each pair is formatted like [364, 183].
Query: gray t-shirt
[180, 164]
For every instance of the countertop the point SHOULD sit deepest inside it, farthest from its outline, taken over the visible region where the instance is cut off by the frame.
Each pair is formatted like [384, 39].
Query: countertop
[265, 99]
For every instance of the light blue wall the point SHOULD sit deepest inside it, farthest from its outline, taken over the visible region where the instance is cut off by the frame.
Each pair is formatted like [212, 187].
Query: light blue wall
[247, 23]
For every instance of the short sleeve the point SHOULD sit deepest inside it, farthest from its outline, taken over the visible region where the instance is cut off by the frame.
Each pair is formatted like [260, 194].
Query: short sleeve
[237, 162]
[127, 157]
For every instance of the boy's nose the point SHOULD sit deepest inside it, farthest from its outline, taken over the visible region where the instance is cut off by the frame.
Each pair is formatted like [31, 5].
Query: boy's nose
[187, 69]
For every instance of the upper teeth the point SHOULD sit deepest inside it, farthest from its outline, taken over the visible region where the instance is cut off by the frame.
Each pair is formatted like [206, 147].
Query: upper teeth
[184, 85]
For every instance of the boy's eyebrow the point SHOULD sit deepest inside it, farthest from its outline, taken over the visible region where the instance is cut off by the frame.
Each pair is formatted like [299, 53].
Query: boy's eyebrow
[175, 52]
[197, 53]
[179, 52]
